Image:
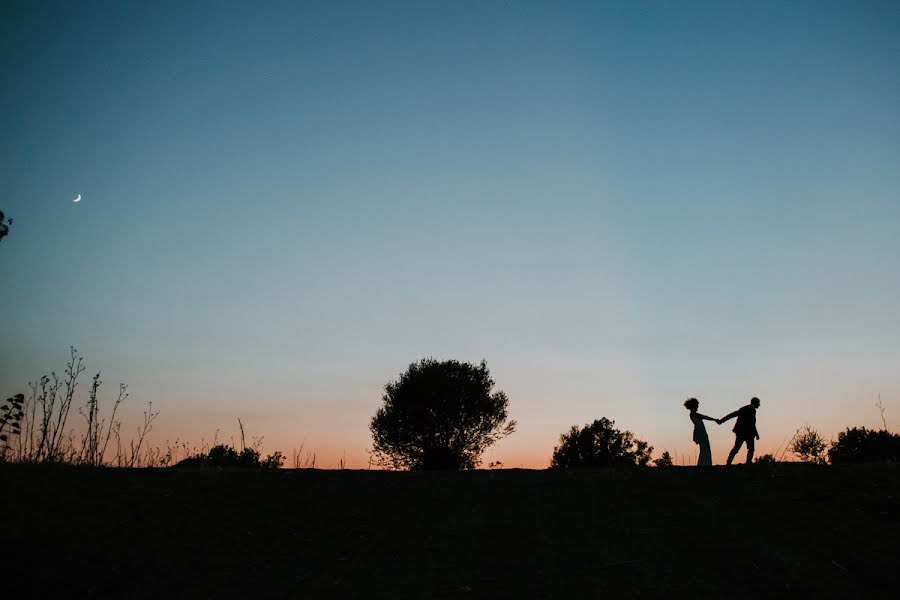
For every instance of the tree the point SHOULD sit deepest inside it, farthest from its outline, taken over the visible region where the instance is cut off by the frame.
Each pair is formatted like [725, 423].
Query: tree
[859, 445]
[808, 445]
[599, 444]
[439, 415]
[4, 225]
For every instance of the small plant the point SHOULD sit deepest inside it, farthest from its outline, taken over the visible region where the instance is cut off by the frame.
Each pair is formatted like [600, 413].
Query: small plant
[663, 461]
[45, 434]
[95, 441]
[135, 455]
[808, 445]
[880, 406]
[767, 459]
[45, 439]
[301, 459]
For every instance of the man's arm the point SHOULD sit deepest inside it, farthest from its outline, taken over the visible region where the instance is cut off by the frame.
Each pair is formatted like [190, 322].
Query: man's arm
[731, 416]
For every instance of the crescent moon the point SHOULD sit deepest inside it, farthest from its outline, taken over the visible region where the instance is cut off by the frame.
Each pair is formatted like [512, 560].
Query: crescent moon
[77, 198]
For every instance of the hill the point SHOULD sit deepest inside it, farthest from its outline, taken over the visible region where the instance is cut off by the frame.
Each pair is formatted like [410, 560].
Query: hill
[783, 530]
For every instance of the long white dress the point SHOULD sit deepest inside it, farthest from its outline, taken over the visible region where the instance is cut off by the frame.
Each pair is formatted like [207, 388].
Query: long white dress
[701, 439]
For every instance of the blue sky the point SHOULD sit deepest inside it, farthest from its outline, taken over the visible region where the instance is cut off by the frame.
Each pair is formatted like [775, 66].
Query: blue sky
[618, 205]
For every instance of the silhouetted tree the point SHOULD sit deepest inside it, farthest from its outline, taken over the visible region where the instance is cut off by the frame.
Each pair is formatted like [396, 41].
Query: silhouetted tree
[663, 461]
[439, 415]
[808, 445]
[859, 445]
[4, 225]
[599, 444]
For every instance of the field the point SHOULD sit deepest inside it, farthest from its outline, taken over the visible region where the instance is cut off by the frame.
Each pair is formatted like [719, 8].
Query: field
[783, 530]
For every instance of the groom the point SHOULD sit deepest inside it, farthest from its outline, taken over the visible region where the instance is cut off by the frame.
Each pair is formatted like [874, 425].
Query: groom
[744, 429]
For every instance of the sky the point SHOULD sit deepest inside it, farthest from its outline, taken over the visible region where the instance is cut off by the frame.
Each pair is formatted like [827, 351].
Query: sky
[618, 205]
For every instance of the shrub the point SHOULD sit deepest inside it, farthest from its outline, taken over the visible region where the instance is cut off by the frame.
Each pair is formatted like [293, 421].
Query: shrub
[439, 415]
[227, 456]
[273, 461]
[767, 459]
[808, 445]
[858, 445]
[663, 461]
[599, 444]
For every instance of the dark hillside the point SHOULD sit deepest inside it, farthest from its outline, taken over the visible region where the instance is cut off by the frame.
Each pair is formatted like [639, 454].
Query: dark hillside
[782, 530]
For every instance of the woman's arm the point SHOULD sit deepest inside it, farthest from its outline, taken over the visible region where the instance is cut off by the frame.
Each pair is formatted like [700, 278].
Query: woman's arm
[727, 417]
[704, 417]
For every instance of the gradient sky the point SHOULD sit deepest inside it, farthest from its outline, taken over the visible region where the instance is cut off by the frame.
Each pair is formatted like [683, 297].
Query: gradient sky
[617, 205]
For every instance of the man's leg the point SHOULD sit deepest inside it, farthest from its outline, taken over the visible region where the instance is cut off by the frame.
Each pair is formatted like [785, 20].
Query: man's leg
[750, 447]
[734, 451]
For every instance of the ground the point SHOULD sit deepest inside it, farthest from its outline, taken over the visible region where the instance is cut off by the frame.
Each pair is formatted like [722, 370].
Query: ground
[761, 531]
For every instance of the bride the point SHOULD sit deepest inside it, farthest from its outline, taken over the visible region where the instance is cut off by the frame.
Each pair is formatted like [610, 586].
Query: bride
[700, 437]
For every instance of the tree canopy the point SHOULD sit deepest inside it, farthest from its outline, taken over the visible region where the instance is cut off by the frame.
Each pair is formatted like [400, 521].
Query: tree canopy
[439, 415]
[4, 225]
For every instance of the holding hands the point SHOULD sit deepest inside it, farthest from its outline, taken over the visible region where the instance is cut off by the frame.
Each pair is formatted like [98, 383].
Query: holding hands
[744, 429]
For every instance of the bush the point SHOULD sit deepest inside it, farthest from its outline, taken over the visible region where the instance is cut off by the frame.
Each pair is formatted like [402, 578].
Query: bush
[227, 456]
[599, 444]
[439, 415]
[808, 445]
[858, 445]
[765, 459]
[663, 461]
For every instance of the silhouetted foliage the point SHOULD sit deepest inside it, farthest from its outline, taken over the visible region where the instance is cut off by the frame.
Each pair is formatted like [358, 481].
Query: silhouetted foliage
[11, 413]
[858, 445]
[808, 445]
[439, 415]
[47, 437]
[767, 459]
[4, 225]
[227, 456]
[599, 444]
[663, 461]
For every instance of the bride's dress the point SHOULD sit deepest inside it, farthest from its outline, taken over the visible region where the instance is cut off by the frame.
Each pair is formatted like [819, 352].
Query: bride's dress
[701, 438]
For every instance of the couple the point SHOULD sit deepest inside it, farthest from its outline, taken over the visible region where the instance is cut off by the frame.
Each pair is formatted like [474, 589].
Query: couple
[744, 430]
